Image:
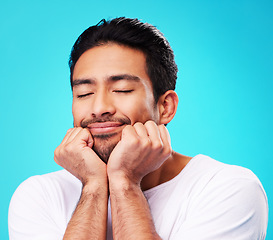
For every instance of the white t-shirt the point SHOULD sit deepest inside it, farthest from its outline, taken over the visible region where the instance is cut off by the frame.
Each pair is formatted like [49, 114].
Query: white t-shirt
[206, 200]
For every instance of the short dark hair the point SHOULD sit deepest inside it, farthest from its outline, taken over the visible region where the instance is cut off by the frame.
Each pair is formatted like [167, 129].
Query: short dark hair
[161, 67]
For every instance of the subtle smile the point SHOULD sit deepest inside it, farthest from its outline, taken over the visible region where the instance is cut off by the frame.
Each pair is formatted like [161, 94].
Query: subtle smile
[104, 127]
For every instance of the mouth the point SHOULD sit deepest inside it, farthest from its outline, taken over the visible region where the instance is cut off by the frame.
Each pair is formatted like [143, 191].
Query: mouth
[101, 128]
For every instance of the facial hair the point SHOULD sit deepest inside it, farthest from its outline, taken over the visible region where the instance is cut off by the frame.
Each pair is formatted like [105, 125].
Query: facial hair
[103, 146]
[104, 143]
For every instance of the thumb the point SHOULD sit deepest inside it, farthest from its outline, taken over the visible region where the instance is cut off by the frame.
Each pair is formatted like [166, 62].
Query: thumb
[85, 137]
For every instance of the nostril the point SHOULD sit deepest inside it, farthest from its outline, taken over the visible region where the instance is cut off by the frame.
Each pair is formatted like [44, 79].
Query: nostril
[104, 114]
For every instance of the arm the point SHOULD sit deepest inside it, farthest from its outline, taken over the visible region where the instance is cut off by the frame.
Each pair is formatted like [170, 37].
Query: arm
[131, 215]
[89, 220]
[142, 150]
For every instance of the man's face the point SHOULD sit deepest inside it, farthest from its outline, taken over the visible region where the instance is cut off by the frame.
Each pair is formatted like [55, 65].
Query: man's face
[110, 90]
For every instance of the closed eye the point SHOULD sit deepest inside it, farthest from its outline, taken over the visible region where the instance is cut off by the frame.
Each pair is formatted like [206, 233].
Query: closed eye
[84, 95]
[123, 91]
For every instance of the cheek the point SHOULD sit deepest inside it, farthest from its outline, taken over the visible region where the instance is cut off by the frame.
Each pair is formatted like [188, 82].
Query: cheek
[77, 112]
[138, 110]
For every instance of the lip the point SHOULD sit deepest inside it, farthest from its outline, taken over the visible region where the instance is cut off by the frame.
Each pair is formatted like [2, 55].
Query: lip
[104, 127]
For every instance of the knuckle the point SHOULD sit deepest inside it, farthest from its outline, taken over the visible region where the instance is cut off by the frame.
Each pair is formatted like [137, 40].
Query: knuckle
[69, 130]
[56, 158]
[57, 155]
[168, 150]
[126, 129]
[146, 143]
[85, 130]
[138, 124]
[162, 127]
[68, 148]
[149, 123]
[64, 151]
[158, 146]
[133, 142]
[56, 152]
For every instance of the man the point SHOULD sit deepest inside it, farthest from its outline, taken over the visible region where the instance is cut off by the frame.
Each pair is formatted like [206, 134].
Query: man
[122, 179]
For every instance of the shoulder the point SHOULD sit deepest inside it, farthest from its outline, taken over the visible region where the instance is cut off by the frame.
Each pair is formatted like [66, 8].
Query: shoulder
[214, 171]
[47, 192]
[48, 182]
[221, 174]
[219, 201]
[211, 175]
[44, 201]
[230, 194]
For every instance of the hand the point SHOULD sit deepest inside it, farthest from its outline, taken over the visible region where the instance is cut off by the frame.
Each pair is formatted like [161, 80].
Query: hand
[141, 150]
[76, 155]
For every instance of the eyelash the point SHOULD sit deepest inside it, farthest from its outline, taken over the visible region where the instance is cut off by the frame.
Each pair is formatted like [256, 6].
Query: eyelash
[123, 91]
[116, 91]
[84, 95]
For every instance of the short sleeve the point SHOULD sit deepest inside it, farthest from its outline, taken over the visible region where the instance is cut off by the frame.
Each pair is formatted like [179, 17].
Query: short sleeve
[30, 213]
[233, 205]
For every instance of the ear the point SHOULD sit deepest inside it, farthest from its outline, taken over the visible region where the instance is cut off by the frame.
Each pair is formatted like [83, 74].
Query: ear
[167, 105]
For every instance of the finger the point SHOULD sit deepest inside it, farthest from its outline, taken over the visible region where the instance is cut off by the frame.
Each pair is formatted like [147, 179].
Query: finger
[153, 131]
[67, 135]
[140, 130]
[165, 137]
[73, 134]
[129, 133]
[84, 136]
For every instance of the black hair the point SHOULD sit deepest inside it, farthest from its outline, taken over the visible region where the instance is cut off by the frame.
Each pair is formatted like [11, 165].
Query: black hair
[160, 64]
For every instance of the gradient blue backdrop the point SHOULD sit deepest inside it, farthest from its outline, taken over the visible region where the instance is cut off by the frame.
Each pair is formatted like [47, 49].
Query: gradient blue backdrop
[224, 50]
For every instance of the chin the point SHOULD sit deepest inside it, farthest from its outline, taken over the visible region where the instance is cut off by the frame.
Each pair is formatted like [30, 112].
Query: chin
[104, 145]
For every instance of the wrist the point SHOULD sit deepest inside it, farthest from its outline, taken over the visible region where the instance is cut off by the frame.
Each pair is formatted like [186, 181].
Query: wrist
[122, 182]
[95, 186]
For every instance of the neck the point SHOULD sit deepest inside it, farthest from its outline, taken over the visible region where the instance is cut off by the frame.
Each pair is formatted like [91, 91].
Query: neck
[168, 170]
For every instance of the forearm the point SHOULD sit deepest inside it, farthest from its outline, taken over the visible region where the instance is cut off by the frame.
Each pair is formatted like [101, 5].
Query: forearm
[131, 217]
[89, 220]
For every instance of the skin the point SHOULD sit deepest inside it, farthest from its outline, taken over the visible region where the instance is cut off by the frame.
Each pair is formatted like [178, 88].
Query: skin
[119, 145]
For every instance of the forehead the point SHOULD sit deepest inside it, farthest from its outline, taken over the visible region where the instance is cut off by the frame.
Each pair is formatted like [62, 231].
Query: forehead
[108, 60]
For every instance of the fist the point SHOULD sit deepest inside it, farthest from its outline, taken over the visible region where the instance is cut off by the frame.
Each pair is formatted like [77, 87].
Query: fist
[143, 148]
[75, 154]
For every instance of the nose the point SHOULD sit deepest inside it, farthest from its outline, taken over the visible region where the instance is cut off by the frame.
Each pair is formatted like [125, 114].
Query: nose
[103, 104]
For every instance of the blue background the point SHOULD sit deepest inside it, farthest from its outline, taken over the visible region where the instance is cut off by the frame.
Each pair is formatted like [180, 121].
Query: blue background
[224, 50]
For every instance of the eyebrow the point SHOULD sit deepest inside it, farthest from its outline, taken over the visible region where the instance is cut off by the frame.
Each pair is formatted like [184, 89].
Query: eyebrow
[123, 77]
[78, 82]
[113, 78]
